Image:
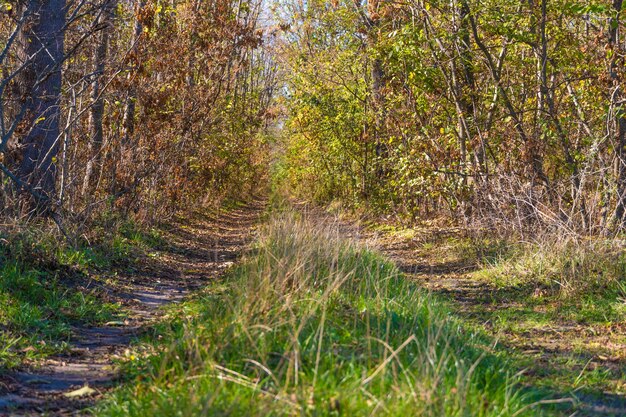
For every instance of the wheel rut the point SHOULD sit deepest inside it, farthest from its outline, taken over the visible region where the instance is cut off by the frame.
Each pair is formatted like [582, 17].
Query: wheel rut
[199, 249]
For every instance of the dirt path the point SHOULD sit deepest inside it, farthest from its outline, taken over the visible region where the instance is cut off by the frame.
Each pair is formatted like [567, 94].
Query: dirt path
[199, 249]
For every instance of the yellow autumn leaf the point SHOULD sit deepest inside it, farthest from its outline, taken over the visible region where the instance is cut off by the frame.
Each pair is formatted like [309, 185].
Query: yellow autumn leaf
[81, 392]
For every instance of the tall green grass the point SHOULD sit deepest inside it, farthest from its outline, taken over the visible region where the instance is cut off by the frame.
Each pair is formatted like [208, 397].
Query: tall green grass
[311, 324]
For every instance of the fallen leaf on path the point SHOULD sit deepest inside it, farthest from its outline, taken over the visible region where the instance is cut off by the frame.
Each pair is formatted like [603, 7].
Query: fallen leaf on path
[115, 323]
[81, 392]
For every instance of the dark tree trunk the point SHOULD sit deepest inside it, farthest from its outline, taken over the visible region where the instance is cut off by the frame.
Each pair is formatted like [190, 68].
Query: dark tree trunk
[378, 99]
[42, 50]
[378, 75]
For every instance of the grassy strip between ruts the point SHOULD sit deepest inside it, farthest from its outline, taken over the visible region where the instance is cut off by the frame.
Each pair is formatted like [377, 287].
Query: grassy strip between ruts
[312, 324]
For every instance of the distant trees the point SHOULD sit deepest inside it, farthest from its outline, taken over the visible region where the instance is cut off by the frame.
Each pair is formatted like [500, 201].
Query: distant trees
[491, 110]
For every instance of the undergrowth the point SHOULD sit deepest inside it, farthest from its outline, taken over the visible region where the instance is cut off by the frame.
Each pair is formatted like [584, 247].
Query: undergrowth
[559, 303]
[311, 324]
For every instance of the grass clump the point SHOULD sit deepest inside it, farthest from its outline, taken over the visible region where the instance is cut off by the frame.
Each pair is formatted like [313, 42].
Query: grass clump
[118, 241]
[559, 303]
[47, 285]
[583, 280]
[313, 325]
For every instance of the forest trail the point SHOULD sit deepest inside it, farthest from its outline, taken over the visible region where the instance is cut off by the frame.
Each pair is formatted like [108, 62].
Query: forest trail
[199, 249]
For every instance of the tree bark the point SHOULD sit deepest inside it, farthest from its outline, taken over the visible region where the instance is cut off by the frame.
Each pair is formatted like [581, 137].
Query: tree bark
[131, 102]
[617, 97]
[96, 113]
[42, 42]
[372, 21]
[468, 89]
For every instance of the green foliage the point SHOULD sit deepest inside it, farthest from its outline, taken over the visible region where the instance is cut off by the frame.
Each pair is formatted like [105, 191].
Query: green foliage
[581, 281]
[117, 240]
[46, 285]
[456, 116]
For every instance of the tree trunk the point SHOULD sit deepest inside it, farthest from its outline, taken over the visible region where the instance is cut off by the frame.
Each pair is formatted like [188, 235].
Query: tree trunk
[96, 113]
[42, 51]
[131, 102]
[620, 117]
[468, 89]
[372, 21]
[379, 118]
